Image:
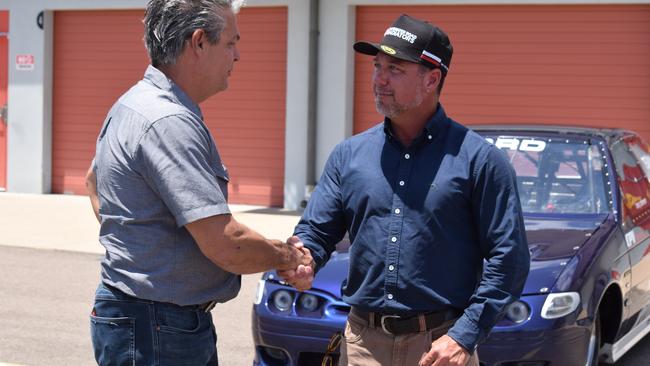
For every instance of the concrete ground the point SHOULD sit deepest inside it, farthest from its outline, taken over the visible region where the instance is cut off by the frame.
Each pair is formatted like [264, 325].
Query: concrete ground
[60, 228]
[66, 222]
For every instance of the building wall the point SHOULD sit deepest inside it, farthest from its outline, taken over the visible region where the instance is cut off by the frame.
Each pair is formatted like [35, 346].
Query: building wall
[4, 58]
[30, 97]
[336, 112]
[98, 55]
[539, 64]
[30, 92]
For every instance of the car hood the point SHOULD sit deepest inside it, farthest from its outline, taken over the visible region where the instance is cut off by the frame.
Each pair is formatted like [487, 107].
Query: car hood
[329, 278]
[552, 244]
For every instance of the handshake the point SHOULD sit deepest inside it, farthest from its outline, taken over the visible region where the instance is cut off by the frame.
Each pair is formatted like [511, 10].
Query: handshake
[301, 273]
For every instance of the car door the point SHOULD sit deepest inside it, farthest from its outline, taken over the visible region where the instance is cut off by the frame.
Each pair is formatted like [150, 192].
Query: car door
[633, 167]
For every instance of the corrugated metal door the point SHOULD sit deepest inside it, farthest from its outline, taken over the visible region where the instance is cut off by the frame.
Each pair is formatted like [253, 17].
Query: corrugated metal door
[98, 55]
[586, 65]
[4, 55]
[248, 120]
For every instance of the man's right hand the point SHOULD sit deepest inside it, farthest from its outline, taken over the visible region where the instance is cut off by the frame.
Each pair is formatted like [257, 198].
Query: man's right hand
[303, 275]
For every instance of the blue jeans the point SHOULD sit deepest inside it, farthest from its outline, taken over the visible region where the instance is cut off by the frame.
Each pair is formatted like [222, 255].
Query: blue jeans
[129, 331]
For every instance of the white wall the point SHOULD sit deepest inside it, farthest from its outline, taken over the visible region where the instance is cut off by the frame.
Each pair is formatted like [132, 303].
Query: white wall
[335, 77]
[297, 105]
[28, 169]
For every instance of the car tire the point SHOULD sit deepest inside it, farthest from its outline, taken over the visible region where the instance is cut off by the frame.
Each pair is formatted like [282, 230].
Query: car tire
[593, 349]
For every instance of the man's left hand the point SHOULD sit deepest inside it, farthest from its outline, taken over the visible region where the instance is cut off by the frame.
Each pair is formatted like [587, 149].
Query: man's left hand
[445, 351]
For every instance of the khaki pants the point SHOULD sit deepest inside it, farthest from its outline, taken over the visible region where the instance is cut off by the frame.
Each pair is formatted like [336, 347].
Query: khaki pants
[366, 346]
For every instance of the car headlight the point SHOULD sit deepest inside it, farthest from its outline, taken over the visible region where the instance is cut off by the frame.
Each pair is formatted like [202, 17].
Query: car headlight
[517, 312]
[282, 300]
[259, 292]
[559, 305]
[308, 302]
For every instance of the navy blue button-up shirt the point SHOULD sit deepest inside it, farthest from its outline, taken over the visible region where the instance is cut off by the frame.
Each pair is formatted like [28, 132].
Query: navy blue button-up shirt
[421, 220]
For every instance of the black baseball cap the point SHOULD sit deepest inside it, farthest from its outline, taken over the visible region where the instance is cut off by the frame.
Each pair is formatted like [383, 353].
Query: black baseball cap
[412, 40]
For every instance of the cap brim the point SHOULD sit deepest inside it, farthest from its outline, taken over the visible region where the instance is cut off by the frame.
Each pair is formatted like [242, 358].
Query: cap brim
[366, 48]
[372, 49]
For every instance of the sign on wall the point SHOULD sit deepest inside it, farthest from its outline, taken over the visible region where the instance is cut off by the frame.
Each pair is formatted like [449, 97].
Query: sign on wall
[25, 62]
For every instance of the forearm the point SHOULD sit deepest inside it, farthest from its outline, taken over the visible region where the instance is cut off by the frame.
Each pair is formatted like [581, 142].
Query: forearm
[239, 249]
[504, 275]
[502, 242]
[246, 251]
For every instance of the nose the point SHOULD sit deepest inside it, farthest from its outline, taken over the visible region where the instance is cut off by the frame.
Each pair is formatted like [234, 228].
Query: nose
[379, 77]
[236, 54]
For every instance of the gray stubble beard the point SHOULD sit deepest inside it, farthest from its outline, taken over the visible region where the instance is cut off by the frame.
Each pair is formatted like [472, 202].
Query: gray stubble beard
[395, 109]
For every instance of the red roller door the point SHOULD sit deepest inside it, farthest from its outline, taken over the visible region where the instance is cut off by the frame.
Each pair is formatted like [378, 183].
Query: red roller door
[4, 55]
[248, 120]
[585, 65]
[98, 55]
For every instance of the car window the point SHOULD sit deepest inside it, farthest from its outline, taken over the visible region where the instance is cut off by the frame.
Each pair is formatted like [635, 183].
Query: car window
[556, 175]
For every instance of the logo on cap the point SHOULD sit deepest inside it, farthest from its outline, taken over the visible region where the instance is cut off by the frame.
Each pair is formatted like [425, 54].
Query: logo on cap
[388, 50]
[401, 33]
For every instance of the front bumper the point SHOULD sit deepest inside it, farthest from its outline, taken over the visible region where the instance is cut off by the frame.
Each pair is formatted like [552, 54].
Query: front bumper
[564, 346]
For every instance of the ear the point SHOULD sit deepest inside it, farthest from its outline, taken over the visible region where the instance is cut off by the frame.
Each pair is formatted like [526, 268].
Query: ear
[433, 79]
[197, 42]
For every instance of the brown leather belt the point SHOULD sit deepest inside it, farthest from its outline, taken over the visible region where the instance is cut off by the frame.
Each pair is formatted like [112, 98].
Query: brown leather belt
[396, 325]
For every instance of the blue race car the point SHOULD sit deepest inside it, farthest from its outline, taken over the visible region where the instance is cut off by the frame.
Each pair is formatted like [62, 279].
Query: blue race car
[586, 198]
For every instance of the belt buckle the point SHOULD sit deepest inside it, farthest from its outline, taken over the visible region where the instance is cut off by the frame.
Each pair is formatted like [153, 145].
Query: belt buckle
[210, 305]
[382, 321]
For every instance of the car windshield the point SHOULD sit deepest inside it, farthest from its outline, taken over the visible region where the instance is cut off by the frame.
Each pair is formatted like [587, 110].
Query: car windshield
[556, 175]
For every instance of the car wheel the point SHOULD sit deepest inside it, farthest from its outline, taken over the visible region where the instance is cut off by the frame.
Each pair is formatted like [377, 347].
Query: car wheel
[593, 350]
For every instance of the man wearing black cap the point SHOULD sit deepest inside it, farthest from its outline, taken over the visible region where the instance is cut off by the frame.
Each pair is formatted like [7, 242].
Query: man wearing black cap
[438, 242]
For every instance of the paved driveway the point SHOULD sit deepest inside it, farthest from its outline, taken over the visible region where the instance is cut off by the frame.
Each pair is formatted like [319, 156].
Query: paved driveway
[45, 299]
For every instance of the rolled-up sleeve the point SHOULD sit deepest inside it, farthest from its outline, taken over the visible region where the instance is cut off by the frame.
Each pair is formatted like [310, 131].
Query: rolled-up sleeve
[502, 238]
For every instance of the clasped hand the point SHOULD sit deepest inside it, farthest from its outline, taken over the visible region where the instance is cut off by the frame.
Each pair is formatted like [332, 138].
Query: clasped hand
[303, 275]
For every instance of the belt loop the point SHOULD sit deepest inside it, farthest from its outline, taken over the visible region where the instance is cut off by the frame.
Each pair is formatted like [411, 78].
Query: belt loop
[423, 323]
[371, 321]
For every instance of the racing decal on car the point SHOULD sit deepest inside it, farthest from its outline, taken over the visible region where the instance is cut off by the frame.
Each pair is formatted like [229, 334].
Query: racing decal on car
[636, 196]
[512, 143]
[630, 238]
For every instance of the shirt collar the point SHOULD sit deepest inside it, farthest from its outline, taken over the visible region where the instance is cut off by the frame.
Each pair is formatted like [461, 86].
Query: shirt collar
[161, 81]
[437, 123]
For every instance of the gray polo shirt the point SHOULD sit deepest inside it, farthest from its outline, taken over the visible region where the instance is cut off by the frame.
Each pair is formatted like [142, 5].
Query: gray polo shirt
[158, 169]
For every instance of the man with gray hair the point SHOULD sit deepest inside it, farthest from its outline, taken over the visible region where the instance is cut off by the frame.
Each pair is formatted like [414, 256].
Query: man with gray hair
[159, 189]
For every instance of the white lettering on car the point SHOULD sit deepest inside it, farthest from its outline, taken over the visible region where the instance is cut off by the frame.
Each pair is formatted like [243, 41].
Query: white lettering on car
[532, 145]
[512, 143]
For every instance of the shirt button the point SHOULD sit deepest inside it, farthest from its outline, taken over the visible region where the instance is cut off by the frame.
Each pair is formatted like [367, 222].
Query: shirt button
[390, 296]
[391, 268]
[401, 183]
[407, 156]
[393, 239]
[397, 211]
